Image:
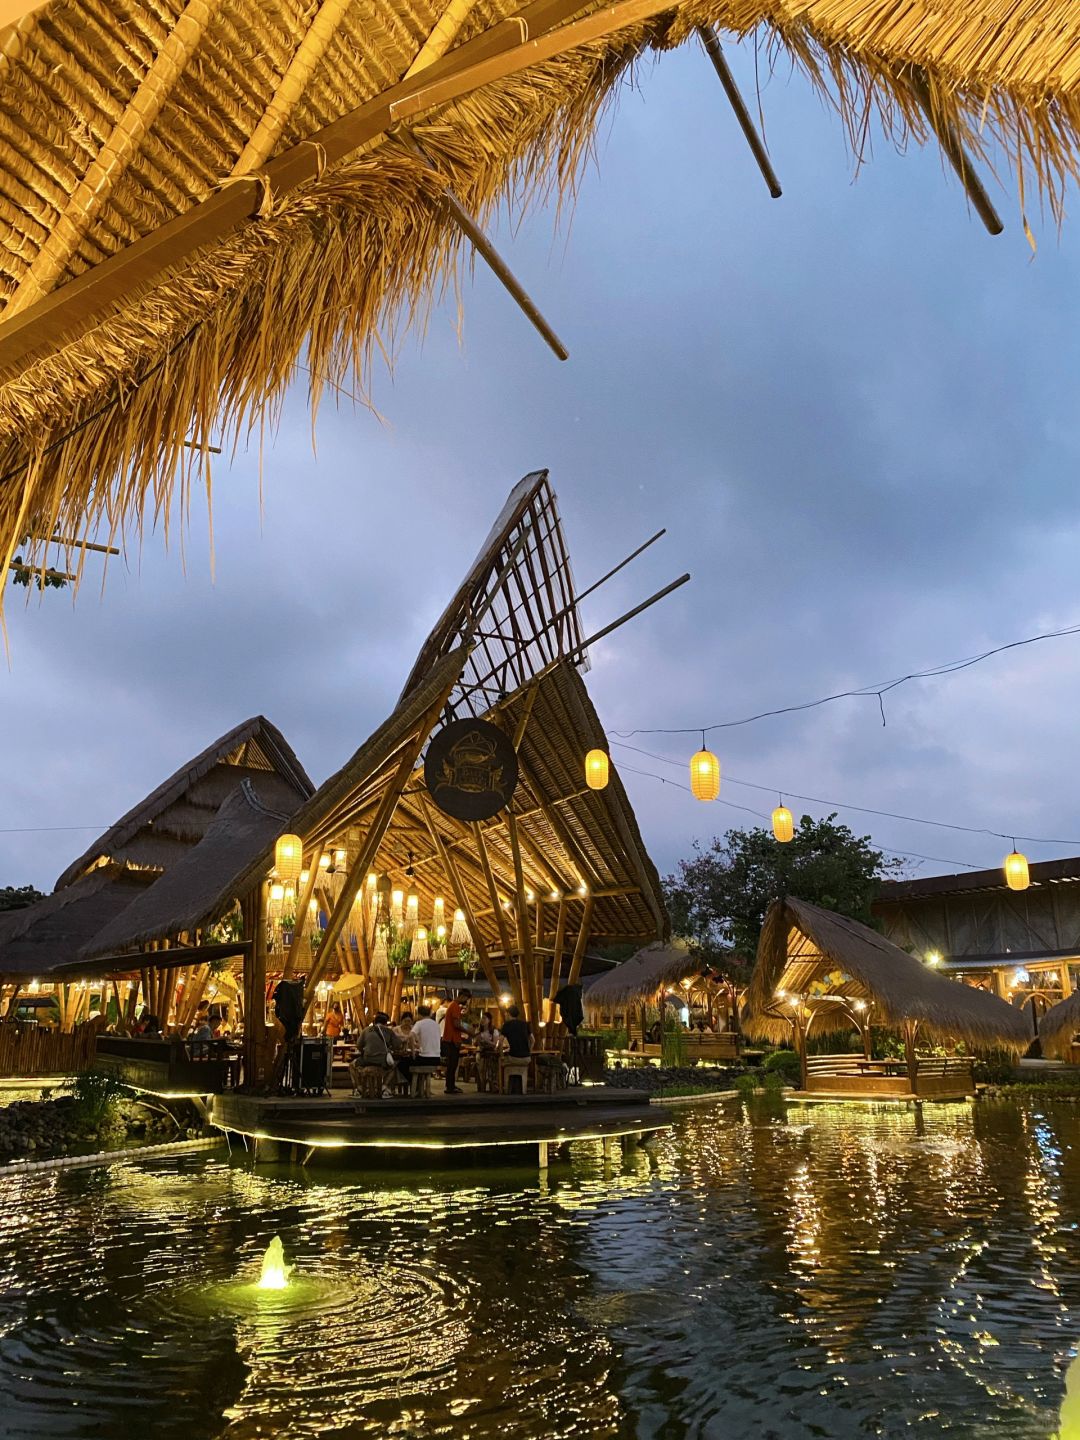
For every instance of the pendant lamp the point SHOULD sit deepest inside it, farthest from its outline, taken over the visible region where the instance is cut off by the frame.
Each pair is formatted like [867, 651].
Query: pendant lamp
[1016, 870]
[288, 858]
[596, 769]
[783, 823]
[705, 773]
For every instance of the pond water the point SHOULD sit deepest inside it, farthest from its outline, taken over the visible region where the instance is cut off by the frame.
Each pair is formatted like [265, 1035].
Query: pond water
[833, 1271]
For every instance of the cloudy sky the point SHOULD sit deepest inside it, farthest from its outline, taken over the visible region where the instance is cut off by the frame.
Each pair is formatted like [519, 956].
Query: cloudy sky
[852, 409]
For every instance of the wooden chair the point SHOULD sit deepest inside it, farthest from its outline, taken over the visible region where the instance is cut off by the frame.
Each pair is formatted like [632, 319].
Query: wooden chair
[371, 1080]
[509, 1067]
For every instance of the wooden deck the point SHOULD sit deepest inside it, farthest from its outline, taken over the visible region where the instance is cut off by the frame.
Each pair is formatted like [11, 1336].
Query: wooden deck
[850, 1077]
[468, 1121]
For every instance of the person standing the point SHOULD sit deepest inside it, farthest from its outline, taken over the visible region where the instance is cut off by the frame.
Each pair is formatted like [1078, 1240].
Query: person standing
[454, 1031]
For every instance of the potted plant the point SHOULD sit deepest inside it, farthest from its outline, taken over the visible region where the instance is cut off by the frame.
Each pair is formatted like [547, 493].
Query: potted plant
[469, 960]
[288, 929]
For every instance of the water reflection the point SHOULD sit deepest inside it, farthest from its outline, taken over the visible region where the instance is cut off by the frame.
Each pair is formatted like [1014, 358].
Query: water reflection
[834, 1271]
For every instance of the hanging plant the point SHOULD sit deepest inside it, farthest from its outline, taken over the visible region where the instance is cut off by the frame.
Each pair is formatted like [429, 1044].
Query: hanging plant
[398, 955]
[469, 960]
[419, 970]
[316, 939]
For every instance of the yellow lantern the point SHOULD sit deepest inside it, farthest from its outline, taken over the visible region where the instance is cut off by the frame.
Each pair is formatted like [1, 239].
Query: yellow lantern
[277, 893]
[1016, 870]
[596, 769]
[324, 860]
[288, 858]
[705, 774]
[783, 824]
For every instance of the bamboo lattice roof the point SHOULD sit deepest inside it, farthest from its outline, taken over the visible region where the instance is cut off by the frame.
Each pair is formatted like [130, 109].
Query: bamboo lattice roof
[195, 194]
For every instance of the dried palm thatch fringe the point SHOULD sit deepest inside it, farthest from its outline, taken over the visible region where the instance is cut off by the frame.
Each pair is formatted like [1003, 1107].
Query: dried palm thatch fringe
[802, 943]
[1059, 1026]
[640, 977]
[94, 434]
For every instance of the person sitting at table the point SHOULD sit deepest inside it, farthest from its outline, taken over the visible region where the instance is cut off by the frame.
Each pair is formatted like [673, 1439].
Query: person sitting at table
[201, 1036]
[334, 1022]
[427, 1042]
[488, 1044]
[376, 1049]
[517, 1035]
[405, 1034]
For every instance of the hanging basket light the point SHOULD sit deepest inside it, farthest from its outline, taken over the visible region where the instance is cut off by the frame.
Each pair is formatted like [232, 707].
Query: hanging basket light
[459, 934]
[438, 913]
[412, 912]
[1016, 870]
[419, 954]
[783, 824]
[288, 858]
[380, 957]
[397, 908]
[705, 773]
[596, 769]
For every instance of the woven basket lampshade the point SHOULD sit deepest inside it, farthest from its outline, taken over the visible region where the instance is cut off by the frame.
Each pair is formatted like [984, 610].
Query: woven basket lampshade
[1016, 871]
[289, 858]
[419, 953]
[705, 775]
[596, 769]
[412, 912]
[459, 935]
[783, 824]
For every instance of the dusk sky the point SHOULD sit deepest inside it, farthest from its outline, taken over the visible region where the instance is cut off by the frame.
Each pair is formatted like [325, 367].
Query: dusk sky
[853, 410]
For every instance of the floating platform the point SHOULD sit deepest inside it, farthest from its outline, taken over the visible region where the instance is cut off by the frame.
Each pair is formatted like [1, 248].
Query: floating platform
[442, 1122]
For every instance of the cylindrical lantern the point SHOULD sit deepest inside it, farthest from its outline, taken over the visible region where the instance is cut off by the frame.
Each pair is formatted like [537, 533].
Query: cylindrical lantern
[324, 861]
[705, 775]
[596, 769]
[783, 824]
[1016, 871]
[438, 912]
[412, 912]
[289, 858]
[277, 893]
[397, 907]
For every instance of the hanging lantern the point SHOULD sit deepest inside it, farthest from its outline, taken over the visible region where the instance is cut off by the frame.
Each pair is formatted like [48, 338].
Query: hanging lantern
[277, 893]
[356, 916]
[397, 908]
[705, 774]
[438, 912]
[324, 862]
[459, 935]
[596, 769]
[288, 858]
[419, 954]
[412, 912]
[305, 876]
[340, 857]
[783, 824]
[1016, 870]
[372, 881]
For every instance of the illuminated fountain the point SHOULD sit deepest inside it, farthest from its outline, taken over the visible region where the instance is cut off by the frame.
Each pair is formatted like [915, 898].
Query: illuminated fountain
[275, 1273]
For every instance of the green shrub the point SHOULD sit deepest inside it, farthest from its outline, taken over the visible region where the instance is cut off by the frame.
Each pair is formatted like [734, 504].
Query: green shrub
[785, 1064]
[746, 1085]
[96, 1094]
[774, 1080]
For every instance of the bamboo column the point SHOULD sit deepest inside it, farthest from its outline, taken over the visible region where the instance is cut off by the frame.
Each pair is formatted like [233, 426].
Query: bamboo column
[582, 941]
[557, 958]
[462, 898]
[500, 918]
[257, 1064]
[525, 944]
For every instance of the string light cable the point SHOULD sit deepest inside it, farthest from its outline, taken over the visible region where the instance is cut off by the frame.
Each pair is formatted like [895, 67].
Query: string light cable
[863, 692]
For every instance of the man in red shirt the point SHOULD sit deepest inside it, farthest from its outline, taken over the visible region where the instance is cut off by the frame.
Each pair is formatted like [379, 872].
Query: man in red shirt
[454, 1031]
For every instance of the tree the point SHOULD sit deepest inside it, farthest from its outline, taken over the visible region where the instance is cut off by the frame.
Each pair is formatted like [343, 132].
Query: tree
[14, 897]
[717, 899]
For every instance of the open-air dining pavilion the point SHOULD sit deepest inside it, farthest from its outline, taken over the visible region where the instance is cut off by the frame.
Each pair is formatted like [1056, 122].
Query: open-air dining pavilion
[370, 889]
[822, 974]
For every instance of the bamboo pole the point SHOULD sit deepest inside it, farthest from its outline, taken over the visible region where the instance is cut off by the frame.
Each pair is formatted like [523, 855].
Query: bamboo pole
[461, 896]
[557, 958]
[442, 36]
[711, 42]
[949, 139]
[357, 872]
[582, 940]
[525, 939]
[500, 917]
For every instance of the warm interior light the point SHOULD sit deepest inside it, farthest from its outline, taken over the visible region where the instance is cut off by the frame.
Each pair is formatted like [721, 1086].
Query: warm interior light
[859, 1004]
[705, 775]
[277, 893]
[555, 895]
[305, 876]
[505, 999]
[583, 889]
[1016, 871]
[324, 860]
[340, 857]
[596, 769]
[934, 957]
[783, 824]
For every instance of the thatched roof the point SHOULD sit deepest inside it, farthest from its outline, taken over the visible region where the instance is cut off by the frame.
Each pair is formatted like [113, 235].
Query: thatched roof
[162, 828]
[199, 887]
[803, 945]
[196, 198]
[47, 936]
[641, 976]
[1059, 1026]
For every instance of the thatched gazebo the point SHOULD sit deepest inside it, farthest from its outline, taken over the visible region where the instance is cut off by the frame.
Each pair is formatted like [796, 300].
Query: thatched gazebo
[1059, 1029]
[200, 199]
[817, 971]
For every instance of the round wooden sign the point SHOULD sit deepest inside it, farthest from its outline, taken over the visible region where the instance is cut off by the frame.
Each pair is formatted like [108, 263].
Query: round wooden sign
[471, 769]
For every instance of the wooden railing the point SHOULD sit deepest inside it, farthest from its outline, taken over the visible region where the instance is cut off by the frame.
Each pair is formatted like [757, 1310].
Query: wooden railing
[30, 1049]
